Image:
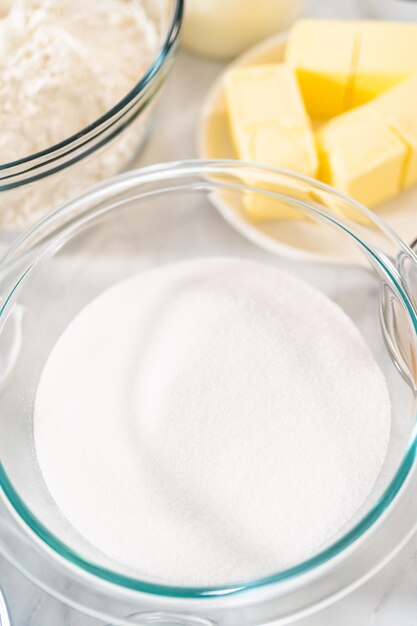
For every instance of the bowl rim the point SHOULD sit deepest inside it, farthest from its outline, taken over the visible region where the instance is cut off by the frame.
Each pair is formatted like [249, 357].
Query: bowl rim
[337, 549]
[153, 69]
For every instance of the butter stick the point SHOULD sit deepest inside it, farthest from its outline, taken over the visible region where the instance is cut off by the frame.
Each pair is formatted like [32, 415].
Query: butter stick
[398, 109]
[387, 55]
[322, 54]
[270, 126]
[362, 156]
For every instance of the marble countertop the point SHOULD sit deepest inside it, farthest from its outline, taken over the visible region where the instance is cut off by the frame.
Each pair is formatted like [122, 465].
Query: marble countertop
[388, 598]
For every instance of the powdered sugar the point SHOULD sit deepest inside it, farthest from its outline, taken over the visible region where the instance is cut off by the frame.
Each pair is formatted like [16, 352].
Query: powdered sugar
[210, 421]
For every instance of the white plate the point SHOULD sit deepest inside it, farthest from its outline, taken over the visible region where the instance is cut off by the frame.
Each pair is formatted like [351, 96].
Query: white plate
[294, 239]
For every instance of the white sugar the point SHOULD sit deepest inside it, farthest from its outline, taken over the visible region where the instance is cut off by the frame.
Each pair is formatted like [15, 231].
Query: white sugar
[211, 421]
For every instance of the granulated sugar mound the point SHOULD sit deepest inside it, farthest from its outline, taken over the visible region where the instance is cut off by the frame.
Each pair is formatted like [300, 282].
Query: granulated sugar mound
[211, 421]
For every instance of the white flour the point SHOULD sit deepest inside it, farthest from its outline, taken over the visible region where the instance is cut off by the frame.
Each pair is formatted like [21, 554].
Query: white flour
[210, 421]
[63, 64]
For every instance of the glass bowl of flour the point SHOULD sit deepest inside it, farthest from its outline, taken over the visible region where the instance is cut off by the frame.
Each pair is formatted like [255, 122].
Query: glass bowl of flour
[194, 431]
[79, 82]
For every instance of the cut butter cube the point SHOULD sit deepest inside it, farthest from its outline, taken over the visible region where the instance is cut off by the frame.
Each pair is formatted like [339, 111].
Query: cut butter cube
[361, 156]
[270, 126]
[322, 54]
[398, 108]
[344, 64]
[275, 146]
[264, 93]
[271, 144]
[387, 55]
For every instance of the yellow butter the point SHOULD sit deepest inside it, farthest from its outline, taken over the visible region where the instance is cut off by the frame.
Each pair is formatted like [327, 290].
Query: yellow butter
[387, 55]
[267, 117]
[361, 156]
[271, 144]
[322, 53]
[270, 126]
[398, 108]
[264, 94]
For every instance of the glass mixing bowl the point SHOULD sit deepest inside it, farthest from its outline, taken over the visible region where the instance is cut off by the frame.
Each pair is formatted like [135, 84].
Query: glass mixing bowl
[34, 185]
[144, 219]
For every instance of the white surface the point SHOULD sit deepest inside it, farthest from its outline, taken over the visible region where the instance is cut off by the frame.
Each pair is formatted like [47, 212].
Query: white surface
[394, 9]
[390, 598]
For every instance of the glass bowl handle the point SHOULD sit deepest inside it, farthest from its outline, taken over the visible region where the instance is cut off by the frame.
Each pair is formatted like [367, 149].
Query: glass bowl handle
[395, 322]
